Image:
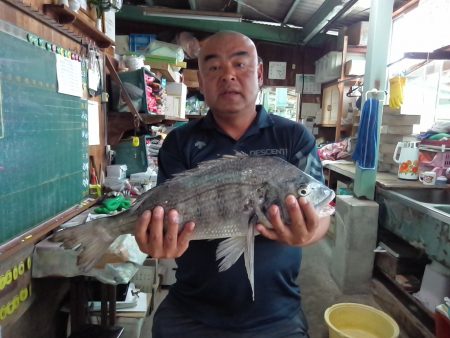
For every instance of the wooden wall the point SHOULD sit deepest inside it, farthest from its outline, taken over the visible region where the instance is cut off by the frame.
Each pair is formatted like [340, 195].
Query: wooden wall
[299, 60]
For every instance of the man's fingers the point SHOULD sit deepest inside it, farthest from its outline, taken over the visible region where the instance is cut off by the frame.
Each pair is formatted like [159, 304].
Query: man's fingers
[275, 219]
[297, 220]
[170, 238]
[141, 230]
[268, 233]
[155, 242]
[309, 214]
[184, 238]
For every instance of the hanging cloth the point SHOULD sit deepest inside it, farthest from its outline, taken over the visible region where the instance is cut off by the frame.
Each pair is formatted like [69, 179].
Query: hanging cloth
[366, 146]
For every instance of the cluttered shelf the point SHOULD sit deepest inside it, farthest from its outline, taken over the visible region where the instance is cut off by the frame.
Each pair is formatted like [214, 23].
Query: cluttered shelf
[120, 122]
[384, 179]
[64, 15]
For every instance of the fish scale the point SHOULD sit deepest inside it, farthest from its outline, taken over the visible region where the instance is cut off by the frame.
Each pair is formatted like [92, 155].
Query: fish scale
[225, 198]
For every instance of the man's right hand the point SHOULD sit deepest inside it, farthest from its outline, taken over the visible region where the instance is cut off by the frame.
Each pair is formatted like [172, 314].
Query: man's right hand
[152, 239]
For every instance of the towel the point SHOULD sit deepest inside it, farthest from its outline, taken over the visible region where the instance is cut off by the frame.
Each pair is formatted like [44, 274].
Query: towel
[366, 146]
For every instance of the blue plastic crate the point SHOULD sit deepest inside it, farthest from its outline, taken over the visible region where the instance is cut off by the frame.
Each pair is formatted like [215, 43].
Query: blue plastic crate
[138, 43]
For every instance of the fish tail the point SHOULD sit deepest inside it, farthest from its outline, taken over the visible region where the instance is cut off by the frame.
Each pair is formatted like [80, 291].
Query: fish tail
[92, 239]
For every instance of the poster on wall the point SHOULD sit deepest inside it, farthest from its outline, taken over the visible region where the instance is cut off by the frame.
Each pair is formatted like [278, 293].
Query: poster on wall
[277, 70]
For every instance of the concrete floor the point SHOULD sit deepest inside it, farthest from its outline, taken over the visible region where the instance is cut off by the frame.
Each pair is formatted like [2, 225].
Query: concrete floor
[319, 291]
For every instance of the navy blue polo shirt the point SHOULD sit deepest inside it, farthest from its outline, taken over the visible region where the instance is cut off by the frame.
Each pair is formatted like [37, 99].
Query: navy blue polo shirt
[224, 300]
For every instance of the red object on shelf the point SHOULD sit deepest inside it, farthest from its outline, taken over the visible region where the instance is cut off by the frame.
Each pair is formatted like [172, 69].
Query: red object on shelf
[442, 324]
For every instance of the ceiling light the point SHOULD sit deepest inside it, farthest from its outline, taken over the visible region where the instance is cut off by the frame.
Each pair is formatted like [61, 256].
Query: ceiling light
[277, 24]
[331, 32]
[192, 15]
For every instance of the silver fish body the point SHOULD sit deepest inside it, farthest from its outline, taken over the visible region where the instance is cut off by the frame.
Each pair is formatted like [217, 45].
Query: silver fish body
[225, 198]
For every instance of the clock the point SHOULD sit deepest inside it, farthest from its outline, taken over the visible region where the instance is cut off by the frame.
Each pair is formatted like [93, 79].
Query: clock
[277, 70]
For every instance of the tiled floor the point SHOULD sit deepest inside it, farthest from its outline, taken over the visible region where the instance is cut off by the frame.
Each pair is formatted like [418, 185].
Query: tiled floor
[319, 291]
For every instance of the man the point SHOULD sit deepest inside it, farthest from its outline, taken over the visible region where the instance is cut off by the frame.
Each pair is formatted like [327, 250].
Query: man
[204, 302]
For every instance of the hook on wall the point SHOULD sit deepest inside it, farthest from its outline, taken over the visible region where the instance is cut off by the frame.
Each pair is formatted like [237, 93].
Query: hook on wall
[375, 93]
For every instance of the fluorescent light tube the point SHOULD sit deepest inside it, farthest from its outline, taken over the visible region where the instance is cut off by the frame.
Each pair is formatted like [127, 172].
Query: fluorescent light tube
[192, 15]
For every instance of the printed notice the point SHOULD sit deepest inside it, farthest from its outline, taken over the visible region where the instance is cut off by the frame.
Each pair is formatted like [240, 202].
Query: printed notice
[93, 123]
[69, 76]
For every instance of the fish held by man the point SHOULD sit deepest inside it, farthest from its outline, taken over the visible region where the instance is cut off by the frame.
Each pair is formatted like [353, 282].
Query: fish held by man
[225, 198]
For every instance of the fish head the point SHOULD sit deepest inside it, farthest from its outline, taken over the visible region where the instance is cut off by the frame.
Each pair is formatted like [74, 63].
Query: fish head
[289, 180]
[318, 194]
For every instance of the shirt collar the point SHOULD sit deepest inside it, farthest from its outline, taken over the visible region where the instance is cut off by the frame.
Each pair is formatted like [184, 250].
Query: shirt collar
[263, 120]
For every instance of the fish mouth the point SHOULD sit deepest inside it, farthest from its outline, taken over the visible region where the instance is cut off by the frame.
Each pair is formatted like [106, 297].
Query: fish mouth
[325, 208]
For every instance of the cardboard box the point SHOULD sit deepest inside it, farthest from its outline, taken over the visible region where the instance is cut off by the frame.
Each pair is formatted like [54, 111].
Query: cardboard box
[190, 78]
[354, 67]
[176, 89]
[358, 33]
[116, 171]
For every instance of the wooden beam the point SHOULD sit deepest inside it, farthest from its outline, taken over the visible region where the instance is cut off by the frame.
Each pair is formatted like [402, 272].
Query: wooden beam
[291, 10]
[405, 8]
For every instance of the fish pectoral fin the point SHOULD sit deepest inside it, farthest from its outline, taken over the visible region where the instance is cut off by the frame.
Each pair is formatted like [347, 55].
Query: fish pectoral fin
[249, 257]
[229, 251]
[261, 217]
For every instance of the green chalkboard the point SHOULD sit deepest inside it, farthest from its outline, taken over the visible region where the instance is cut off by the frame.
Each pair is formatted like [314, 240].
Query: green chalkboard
[43, 140]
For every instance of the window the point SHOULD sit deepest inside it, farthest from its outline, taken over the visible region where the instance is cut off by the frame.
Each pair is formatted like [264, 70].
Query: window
[280, 101]
[427, 91]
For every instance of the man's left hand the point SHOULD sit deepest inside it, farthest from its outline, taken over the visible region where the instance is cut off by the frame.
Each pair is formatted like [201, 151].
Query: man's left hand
[306, 227]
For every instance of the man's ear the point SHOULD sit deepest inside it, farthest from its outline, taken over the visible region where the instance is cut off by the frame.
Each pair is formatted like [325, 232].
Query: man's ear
[260, 74]
[200, 82]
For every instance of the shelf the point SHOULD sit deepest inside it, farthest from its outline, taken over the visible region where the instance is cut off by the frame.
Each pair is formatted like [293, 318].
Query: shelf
[164, 68]
[64, 15]
[357, 49]
[194, 116]
[119, 123]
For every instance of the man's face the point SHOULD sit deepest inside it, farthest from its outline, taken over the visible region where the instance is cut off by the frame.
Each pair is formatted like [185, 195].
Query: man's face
[229, 74]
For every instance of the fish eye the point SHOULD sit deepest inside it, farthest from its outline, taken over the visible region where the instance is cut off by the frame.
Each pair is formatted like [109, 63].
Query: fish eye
[304, 190]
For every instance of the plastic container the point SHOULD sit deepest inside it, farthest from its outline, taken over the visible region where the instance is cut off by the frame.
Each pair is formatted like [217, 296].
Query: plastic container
[352, 320]
[139, 42]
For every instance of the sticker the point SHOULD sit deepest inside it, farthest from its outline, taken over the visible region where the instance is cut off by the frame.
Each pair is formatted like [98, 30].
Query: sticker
[23, 295]
[21, 268]
[15, 273]
[3, 312]
[9, 308]
[8, 277]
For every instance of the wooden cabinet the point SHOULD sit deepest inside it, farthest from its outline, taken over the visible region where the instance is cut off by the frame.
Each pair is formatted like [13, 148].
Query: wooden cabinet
[336, 103]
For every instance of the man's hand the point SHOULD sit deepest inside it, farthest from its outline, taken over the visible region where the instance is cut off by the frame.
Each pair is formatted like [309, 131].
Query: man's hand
[306, 227]
[152, 240]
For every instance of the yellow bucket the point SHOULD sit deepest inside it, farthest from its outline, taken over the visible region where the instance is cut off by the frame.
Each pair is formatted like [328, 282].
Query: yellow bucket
[351, 320]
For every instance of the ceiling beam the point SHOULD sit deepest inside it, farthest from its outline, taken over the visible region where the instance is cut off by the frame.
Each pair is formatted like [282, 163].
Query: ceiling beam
[327, 12]
[193, 4]
[239, 7]
[283, 35]
[291, 10]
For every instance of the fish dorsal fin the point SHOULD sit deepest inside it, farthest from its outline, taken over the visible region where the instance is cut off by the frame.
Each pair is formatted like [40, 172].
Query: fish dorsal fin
[207, 165]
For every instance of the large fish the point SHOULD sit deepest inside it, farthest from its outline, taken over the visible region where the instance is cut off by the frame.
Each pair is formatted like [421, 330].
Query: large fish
[225, 198]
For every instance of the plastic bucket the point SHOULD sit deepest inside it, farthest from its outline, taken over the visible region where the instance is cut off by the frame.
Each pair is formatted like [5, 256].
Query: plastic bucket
[351, 320]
